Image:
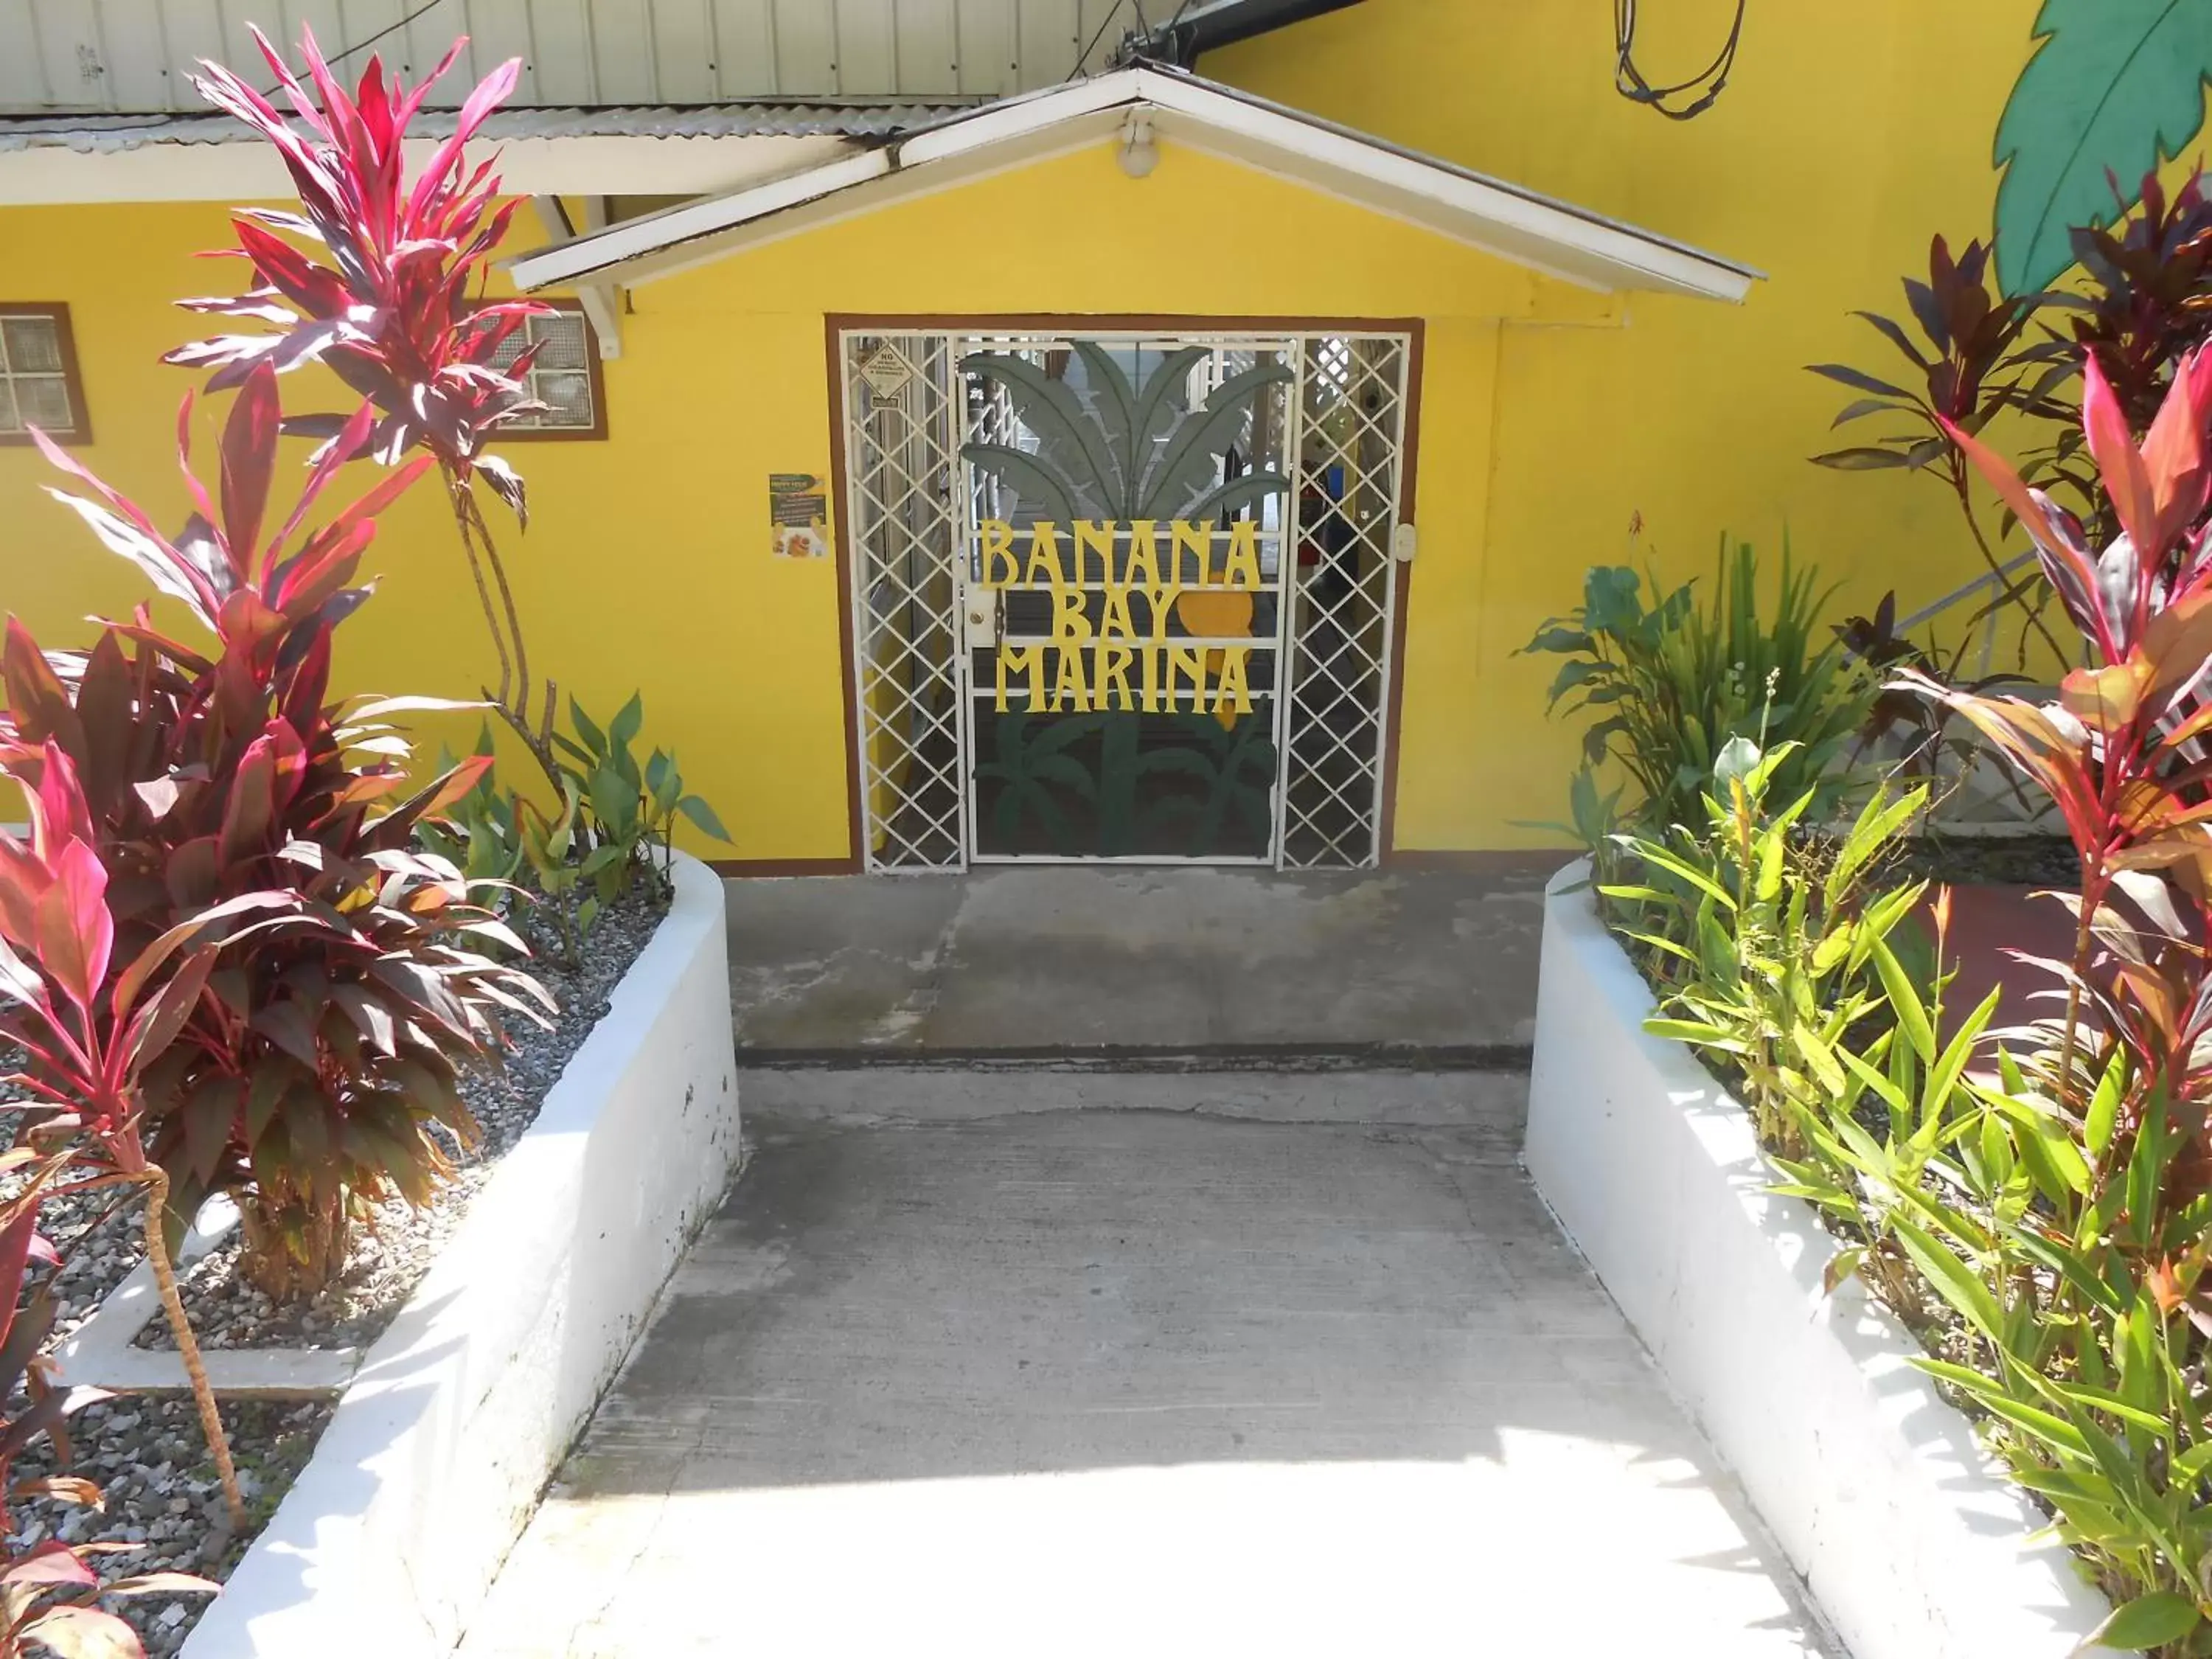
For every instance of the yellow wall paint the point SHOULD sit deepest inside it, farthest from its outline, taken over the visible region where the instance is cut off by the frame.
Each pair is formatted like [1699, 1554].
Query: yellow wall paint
[1847, 136]
[1546, 418]
[646, 560]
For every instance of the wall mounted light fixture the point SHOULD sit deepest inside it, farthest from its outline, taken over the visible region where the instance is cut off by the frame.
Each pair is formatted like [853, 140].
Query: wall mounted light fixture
[1138, 155]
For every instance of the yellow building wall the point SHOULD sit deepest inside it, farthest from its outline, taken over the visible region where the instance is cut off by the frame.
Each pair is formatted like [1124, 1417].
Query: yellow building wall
[647, 563]
[1548, 416]
[1847, 136]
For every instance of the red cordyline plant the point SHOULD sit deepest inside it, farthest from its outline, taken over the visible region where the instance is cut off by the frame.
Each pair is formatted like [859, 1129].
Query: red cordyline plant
[318, 1073]
[1972, 353]
[1972, 361]
[2124, 752]
[396, 313]
[91, 1023]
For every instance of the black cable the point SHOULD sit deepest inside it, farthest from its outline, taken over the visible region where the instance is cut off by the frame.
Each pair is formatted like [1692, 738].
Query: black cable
[1097, 35]
[1629, 81]
[389, 28]
[363, 45]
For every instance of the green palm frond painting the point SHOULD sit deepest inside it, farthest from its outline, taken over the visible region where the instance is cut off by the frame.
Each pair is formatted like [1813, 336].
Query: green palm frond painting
[1033, 768]
[1210, 795]
[1117, 451]
[1236, 767]
[2114, 88]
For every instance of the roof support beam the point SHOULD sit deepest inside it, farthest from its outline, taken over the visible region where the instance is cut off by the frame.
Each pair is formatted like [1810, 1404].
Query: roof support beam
[602, 301]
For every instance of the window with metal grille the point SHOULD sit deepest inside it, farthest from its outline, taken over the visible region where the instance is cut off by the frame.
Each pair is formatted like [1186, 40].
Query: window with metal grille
[38, 382]
[564, 375]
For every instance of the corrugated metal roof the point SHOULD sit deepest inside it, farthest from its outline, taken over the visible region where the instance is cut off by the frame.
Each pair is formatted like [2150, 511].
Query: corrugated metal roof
[100, 134]
[137, 56]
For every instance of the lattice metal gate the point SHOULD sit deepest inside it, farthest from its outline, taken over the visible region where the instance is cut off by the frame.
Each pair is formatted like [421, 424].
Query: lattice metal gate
[1219, 690]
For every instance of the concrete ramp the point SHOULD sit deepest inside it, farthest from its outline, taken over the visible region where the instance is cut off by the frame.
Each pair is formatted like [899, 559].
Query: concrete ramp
[1139, 1379]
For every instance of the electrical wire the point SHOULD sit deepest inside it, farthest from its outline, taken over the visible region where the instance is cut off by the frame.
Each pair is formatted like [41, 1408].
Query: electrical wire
[389, 28]
[1097, 35]
[1629, 81]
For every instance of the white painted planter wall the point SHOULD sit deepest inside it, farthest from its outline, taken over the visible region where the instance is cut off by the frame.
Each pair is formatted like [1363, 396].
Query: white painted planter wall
[1911, 1540]
[386, 1544]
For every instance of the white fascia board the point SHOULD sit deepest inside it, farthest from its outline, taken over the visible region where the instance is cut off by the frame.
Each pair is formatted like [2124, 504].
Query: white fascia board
[636, 238]
[1558, 240]
[1016, 118]
[900, 185]
[1581, 248]
[1057, 116]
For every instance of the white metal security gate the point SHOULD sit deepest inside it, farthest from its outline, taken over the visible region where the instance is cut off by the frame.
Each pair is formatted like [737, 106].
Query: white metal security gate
[1238, 494]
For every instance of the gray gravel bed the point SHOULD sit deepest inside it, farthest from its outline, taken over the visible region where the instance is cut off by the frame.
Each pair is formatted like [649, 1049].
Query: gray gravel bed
[389, 1258]
[160, 1495]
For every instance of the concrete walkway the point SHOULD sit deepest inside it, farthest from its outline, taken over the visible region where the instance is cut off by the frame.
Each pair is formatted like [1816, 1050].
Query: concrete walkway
[1124, 1381]
[1073, 958]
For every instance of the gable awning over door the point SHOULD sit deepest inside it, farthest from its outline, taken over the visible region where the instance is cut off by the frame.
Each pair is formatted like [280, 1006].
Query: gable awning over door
[1556, 238]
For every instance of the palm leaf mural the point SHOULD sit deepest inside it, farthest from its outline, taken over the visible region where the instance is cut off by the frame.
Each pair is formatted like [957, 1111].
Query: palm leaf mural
[2115, 86]
[1236, 765]
[1120, 452]
[1029, 769]
[1186, 464]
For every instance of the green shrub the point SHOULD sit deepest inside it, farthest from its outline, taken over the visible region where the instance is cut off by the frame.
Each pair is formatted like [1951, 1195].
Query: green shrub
[1671, 684]
[1767, 948]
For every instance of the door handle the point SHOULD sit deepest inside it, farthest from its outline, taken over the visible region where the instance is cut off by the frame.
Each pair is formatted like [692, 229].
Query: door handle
[982, 612]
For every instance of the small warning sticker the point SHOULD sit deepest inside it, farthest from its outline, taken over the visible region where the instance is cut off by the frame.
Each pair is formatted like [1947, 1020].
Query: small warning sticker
[886, 372]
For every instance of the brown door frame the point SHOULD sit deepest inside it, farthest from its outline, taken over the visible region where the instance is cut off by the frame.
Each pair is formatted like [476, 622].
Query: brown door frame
[837, 323]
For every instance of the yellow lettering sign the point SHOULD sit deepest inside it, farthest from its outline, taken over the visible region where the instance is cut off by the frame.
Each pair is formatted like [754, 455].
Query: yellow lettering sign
[1092, 537]
[1241, 567]
[1017, 659]
[1109, 663]
[1071, 691]
[1043, 568]
[1197, 539]
[996, 538]
[1144, 555]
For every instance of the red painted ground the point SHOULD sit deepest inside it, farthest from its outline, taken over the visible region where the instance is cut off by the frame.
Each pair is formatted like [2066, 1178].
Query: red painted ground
[1988, 922]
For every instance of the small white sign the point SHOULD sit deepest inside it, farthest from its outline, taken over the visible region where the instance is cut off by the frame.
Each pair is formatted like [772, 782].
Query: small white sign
[886, 372]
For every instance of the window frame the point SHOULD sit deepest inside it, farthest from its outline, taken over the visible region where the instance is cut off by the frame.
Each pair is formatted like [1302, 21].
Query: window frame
[512, 432]
[58, 313]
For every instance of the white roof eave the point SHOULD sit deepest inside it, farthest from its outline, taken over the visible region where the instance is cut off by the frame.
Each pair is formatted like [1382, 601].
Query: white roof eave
[1554, 237]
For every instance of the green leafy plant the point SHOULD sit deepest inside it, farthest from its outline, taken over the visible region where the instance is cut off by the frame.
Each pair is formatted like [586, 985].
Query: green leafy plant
[1767, 948]
[2042, 1215]
[629, 810]
[549, 846]
[1670, 684]
[481, 833]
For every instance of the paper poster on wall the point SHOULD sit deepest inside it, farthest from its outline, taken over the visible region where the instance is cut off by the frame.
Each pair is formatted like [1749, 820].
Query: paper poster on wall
[798, 515]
